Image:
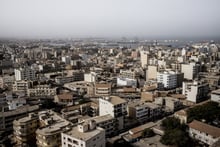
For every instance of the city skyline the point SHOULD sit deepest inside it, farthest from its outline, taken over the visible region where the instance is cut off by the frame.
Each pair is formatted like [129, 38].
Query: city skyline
[143, 18]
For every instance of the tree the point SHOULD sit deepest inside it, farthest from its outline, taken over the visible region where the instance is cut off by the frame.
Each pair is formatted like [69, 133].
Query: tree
[148, 133]
[175, 133]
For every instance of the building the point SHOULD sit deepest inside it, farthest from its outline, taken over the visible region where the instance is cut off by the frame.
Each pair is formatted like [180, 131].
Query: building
[195, 91]
[15, 103]
[203, 132]
[138, 111]
[151, 72]
[25, 73]
[190, 70]
[167, 79]
[7, 117]
[6, 80]
[70, 76]
[103, 89]
[215, 96]
[52, 125]
[181, 115]
[42, 90]
[86, 134]
[106, 122]
[64, 98]
[170, 103]
[144, 59]
[115, 106]
[21, 86]
[90, 77]
[24, 129]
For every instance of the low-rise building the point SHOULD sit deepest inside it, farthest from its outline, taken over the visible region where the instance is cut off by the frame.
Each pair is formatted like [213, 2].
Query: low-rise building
[21, 86]
[106, 122]
[215, 96]
[203, 132]
[42, 90]
[85, 134]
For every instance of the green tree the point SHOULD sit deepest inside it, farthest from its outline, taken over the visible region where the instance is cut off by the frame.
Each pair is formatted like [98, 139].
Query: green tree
[148, 133]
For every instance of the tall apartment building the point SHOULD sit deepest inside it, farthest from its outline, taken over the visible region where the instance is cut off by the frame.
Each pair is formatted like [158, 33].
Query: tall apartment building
[195, 91]
[167, 79]
[24, 129]
[25, 73]
[151, 72]
[144, 59]
[115, 106]
[86, 134]
[190, 70]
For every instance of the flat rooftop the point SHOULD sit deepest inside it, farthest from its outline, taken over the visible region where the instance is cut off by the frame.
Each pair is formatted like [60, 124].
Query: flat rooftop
[84, 135]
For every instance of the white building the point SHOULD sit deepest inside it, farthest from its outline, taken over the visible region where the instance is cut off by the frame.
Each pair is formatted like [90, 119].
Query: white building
[203, 132]
[167, 79]
[126, 82]
[66, 59]
[90, 77]
[215, 96]
[25, 73]
[195, 91]
[190, 70]
[115, 106]
[85, 134]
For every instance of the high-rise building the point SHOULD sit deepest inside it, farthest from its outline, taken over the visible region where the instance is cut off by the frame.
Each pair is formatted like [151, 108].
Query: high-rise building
[144, 59]
[25, 73]
[190, 70]
[115, 106]
[195, 91]
[167, 79]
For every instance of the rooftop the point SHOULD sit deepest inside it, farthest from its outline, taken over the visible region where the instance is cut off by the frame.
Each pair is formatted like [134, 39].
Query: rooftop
[216, 92]
[115, 100]
[84, 135]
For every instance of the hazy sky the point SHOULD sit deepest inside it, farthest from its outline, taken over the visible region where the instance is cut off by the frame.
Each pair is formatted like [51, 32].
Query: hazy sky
[109, 18]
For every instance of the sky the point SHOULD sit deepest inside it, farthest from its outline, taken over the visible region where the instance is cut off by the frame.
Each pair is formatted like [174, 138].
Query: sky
[110, 18]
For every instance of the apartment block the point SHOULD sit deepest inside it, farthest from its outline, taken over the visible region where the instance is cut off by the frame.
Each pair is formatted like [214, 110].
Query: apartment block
[25, 73]
[106, 122]
[190, 70]
[195, 91]
[115, 106]
[42, 90]
[24, 129]
[203, 132]
[86, 134]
